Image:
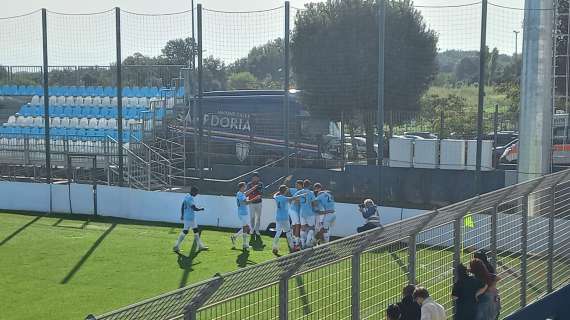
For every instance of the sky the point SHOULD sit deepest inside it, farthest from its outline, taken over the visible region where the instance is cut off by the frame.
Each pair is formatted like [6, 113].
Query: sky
[89, 39]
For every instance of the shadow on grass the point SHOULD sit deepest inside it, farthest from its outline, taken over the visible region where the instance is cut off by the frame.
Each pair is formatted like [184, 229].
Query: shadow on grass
[256, 243]
[87, 254]
[303, 295]
[22, 228]
[243, 259]
[399, 261]
[186, 262]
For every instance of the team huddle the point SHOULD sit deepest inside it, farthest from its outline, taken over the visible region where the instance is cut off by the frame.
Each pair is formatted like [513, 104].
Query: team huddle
[305, 213]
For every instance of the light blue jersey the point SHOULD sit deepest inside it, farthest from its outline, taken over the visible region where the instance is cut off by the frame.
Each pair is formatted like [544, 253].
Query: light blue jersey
[295, 206]
[306, 202]
[282, 202]
[326, 201]
[188, 211]
[241, 201]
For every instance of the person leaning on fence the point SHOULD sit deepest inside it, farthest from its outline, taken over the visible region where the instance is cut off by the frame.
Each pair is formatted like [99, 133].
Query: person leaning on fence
[486, 307]
[465, 293]
[431, 310]
[393, 312]
[409, 309]
[492, 289]
[370, 214]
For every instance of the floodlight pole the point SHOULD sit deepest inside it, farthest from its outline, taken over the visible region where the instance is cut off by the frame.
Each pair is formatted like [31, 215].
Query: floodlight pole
[482, 57]
[119, 94]
[286, 85]
[380, 112]
[46, 96]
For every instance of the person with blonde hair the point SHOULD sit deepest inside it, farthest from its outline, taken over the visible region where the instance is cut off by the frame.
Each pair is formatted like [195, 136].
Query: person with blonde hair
[370, 213]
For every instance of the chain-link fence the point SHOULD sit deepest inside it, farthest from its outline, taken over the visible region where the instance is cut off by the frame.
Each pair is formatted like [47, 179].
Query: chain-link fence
[523, 228]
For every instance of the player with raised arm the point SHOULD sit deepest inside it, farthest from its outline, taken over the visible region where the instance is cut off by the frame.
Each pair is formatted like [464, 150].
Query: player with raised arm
[243, 215]
[294, 214]
[282, 218]
[326, 218]
[187, 214]
[254, 196]
[307, 214]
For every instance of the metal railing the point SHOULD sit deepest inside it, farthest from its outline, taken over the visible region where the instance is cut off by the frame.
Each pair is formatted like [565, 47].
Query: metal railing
[524, 227]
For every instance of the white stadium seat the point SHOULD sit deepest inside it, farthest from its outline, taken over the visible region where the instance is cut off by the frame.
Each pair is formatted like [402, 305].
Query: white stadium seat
[93, 123]
[125, 101]
[38, 122]
[55, 122]
[73, 123]
[35, 100]
[52, 100]
[84, 123]
[114, 101]
[11, 121]
[87, 101]
[78, 101]
[96, 101]
[64, 123]
[134, 101]
[106, 101]
[102, 123]
[112, 124]
[41, 101]
[69, 101]
[60, 100]
[143, 101]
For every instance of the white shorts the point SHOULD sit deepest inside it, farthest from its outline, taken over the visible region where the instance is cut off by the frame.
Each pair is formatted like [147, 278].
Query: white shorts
[326, 221]
[190, 224]
[245, 220]
[283, 225]
[309, 221]
[294, 215]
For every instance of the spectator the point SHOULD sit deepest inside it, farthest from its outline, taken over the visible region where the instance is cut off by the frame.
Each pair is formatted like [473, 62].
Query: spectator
[393, 312]
[409, 309]
[486, 307]
[465, 292]
[493, 291]
[431, 310]
[370, 213]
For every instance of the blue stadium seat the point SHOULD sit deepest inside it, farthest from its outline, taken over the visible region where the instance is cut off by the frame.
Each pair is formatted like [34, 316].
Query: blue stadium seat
[71, 132]
[2, 90]
[104, 112]
[58, 112]
[16, 130]
[72, 91]
[25, 109]
[81, 91]
[80, 133]
[68, 111]
[95, 112]
[90, 91]
[98, 91]
[85, 112]
[154, 92]
[113, 112]
[90, 134]
[37, 111]
[127, 92]
[26, 131]
[11, 90]
[76, 112]
[51, 110]
[35, 132]
[138, 92]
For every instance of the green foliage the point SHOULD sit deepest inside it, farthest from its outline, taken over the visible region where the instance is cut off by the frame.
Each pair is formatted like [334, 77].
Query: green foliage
[458, 117]
[243, 80]
[179, 51]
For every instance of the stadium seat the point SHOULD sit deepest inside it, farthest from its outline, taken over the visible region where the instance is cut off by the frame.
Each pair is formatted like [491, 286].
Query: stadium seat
[37, 111]
[108, 91]
[38, 122]
[143, 102]
[114, 101]
[89, 91]
[11, 121]
[131, 102]
[52, 100]
[60, 100]
[21, 121]
[88, 101]
[67, 111]
[71, 132]
[69, 101]
[85, 111]
[125, 101]
[55, 122]
[104, 112]
[127, 92]
[106, 101]
[113, 112]
[58, 112]
[98, 91]
[79, 101]
[154, 92]
[26, 131]
[35, 100]
[112, 123]
[97, 101]
[102, 123]
[83, 123]
[76, 112]
[25, 110]
[73, 91]
[64, 122]
[93, 123]
[73, 123]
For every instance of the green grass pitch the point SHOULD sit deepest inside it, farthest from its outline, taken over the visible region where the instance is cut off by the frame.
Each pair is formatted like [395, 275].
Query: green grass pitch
[63, 268]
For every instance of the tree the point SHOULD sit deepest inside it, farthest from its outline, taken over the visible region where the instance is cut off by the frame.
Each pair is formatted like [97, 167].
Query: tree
[215, 74]
[335, 57]
[467, 70]
[265, 62]
[460, 118]
[243, 80]
[179, 51]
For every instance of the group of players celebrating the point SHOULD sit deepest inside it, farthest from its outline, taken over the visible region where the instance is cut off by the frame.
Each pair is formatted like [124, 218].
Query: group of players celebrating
[305, 213]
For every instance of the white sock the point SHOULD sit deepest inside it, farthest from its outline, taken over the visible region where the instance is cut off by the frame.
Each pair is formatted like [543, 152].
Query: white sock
[276, 238]
[244, 235]
[290, 240]
[303, 238]
[327, 237]
[180, 239]
[309, 240]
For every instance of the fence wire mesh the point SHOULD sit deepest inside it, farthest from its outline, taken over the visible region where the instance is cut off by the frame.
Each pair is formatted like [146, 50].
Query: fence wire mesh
[358, 276]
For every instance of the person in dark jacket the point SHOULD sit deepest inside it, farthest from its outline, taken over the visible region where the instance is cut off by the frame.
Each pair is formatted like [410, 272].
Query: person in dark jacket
[465, 292]
[370, 213]
[409, 309]
[393, 312]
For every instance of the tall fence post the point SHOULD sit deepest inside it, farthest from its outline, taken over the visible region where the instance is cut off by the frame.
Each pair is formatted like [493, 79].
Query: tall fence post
[283, 298]
[119, 93]
[355, 286]
[412, 259]
[482, 64]
[46, 96]
[200, 92]
[457, 239]
[380, 111]
[494, 230]
[550, 254]
[524, 249]
[286, 84]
